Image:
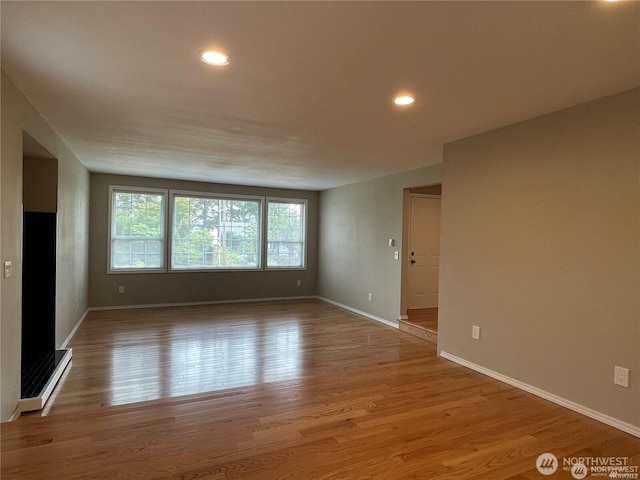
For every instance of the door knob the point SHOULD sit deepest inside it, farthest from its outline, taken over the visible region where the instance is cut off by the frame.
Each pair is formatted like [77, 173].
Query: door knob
[413, 261]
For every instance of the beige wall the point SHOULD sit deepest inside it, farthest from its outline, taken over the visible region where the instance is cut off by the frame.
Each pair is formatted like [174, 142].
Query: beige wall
[191, 287]
[40, 185]
[356, 223]
[18, 115]
[540, 248]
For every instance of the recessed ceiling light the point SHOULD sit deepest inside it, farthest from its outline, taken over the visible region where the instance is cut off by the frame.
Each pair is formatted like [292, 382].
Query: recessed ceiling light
[215, 58]
[403, 100]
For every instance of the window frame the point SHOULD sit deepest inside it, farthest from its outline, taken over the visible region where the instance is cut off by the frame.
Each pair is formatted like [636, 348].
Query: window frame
[216, 196]
[114, 189]
[168, 207]
[305, 222]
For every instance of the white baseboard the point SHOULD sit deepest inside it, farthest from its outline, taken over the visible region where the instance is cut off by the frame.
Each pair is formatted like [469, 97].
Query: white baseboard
[403, 317]
[576, 407]
[190, 304]
[359, 312]
[16, 414]
[74, 330]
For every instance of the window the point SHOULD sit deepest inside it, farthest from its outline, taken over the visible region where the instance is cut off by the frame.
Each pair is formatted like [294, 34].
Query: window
[286, 228]
[137, 229]
[215, 232]
[208, 231]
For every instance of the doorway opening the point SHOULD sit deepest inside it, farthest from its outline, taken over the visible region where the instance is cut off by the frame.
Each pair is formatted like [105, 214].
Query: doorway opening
[421, 261]
[40, 362]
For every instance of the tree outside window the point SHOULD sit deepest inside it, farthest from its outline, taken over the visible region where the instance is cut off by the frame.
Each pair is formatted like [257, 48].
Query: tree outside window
[215, 233]
[286, 234]
[137, 230]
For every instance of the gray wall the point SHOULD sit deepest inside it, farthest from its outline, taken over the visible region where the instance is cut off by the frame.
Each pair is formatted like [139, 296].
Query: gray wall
[191, 287]
[40, 185]
[18, 115]
[356, 223]
[540, 248]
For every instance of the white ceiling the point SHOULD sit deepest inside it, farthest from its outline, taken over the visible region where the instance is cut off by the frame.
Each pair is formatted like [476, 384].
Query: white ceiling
[306, 101]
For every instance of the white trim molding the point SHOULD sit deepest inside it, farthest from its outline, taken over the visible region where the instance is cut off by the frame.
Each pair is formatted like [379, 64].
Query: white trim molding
[16, 414]
[576, 407]
[359, 312]
[74, 330]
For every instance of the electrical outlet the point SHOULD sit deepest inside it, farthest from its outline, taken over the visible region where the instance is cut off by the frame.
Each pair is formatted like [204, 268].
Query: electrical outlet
[475, 332]
[298, 282]
[371, 297]
[621, 376]
[396, 255]
[121, 289]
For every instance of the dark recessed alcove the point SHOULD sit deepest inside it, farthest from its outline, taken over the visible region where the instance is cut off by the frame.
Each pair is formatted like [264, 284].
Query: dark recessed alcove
[38, 297]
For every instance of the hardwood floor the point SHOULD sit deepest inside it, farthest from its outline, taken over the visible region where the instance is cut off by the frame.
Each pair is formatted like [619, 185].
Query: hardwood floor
[284, 390]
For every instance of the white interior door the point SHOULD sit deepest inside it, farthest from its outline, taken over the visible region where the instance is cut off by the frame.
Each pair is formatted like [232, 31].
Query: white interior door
[424, 251]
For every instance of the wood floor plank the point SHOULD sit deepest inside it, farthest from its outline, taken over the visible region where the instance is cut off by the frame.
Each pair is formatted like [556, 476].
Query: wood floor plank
[283, 390]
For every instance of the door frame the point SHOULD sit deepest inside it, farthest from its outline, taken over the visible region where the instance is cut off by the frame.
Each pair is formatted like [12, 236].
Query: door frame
[406, 223]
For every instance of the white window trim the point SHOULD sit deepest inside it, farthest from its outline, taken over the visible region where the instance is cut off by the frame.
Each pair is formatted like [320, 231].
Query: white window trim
[191, 194]
[168, 197]
[129, 189]
[305, 220]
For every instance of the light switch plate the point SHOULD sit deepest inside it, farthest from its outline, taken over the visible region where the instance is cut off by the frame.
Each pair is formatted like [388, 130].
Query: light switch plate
[7, 269]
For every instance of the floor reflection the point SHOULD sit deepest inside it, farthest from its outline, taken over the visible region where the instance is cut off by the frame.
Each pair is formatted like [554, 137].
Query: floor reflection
[220, 356]
[127, 356]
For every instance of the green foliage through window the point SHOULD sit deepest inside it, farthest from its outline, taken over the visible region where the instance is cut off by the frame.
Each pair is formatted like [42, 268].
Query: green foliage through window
[208, 232]
[137, 227]
[285, 234]
[215, 233]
